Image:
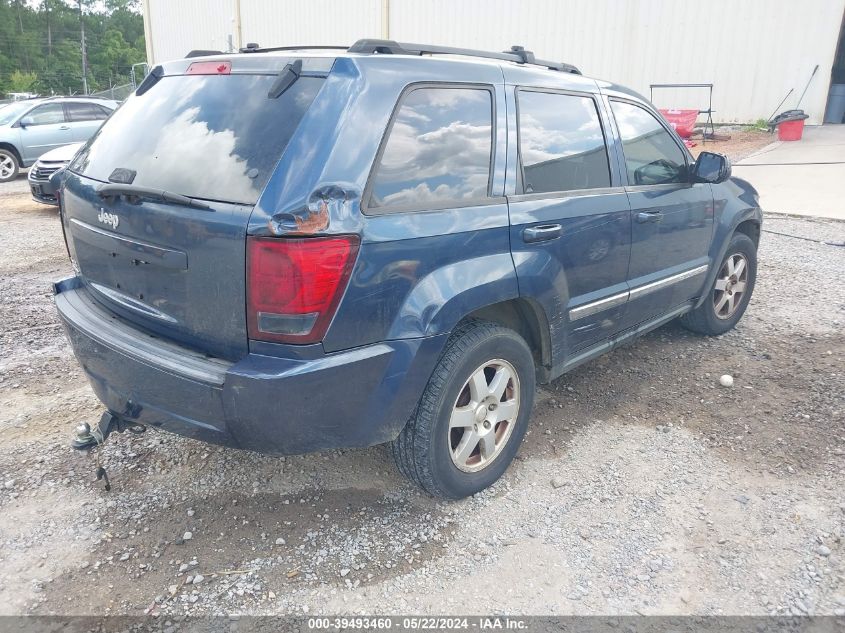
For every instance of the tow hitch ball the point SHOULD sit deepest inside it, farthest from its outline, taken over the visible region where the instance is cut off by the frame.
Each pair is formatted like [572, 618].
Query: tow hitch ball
[87, 437]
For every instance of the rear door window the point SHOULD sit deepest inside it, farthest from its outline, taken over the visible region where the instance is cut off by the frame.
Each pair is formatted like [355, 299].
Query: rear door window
[84, 112]
[652, 157]
[561, 143]
[216, 137]
[438, 151]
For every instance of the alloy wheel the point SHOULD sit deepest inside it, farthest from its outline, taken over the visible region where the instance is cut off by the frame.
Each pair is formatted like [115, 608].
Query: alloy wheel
[7, 166]
[484, 415]
[731, 284]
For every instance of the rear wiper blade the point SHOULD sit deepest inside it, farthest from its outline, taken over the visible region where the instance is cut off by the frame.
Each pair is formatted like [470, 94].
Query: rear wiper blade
[285, 79]
[113, 190]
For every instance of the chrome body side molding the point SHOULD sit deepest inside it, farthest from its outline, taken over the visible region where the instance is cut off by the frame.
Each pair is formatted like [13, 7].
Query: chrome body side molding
[618, 299]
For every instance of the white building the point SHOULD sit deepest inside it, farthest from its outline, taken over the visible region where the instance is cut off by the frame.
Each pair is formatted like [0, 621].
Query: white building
[753, 51]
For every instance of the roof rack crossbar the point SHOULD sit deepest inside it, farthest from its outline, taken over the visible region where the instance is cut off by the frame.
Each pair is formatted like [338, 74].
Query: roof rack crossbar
[516, 54]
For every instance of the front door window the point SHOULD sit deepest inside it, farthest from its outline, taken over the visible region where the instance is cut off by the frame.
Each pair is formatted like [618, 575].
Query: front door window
[652, 157]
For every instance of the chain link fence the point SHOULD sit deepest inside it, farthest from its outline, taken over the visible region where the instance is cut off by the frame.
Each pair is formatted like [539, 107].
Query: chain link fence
[116, 93]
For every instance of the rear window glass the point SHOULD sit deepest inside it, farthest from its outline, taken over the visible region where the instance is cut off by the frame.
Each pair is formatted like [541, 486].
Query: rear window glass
[216, 137]
[561, 143]
[85, 112]
[438, 150]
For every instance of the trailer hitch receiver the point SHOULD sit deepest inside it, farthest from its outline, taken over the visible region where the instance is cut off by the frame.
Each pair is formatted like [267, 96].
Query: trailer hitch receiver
[88, 437]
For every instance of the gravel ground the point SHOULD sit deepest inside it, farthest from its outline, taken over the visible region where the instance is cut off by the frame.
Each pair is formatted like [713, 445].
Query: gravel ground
[643, 486]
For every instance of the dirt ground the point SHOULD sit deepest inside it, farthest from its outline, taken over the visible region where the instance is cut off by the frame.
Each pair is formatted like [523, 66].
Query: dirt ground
[643, 486]
[743, 141]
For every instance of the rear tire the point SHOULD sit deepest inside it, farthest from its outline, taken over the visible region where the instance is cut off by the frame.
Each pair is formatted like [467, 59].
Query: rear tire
[9, 165]
[472, 415]
[730, 293]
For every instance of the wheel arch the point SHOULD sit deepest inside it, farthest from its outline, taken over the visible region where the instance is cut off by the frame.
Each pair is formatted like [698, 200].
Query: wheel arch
[10, 147]
[527, 319]
[751, 228]
[747, 222]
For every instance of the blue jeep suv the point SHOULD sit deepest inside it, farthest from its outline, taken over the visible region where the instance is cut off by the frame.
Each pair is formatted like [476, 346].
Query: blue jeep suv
[290, 250]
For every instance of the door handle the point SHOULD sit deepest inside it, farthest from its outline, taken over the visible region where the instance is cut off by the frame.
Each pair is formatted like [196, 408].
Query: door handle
[542, 233]
[649, 216]
[65, 127]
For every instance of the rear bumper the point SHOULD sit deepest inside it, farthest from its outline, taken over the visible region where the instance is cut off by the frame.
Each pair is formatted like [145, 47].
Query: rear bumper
[358, 397]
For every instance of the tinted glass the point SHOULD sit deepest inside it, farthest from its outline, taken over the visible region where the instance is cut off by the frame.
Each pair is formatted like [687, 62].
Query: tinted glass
[84, 112]
[561, 143]
[46, 114]
[651, 155]
[438, 150]
[217, 137]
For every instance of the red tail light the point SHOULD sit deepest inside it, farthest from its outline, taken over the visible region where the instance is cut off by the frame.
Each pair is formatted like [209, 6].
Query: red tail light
[294, 285]
[210, 68]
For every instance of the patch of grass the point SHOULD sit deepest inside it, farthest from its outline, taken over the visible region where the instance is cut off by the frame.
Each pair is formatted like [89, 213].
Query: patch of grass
[760, 125]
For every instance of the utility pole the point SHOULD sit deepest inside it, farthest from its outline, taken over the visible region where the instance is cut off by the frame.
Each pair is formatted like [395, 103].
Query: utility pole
[238, 31]
[84, 53]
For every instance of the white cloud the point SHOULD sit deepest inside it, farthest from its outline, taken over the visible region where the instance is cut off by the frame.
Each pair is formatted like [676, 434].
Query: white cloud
[180, 159]
[440, 149]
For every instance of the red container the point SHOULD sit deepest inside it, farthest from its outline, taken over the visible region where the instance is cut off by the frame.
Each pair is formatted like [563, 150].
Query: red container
[791, 130]
[682, 121]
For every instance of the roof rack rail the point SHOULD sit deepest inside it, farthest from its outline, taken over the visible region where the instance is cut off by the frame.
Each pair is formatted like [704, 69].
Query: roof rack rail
[252, 47]
[516, 54]
[51, 97]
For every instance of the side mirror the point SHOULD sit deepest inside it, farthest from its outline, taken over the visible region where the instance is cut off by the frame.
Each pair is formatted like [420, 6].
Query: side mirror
[27, 121]
[712, 168]
[656, 172]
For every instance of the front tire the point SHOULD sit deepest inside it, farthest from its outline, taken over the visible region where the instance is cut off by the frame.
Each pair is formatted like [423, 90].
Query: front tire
[9, 166]
[730, 293]
[472, 415]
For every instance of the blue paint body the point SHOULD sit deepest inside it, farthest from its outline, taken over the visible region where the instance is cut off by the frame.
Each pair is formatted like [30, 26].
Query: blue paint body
[156, 315]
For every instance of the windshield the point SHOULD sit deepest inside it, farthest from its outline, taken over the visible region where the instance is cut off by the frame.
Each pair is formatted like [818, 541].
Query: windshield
[12, 111]
[216, 137]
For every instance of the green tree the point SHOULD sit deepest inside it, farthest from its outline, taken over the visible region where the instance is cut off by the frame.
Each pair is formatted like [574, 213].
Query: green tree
[43, 37]
[63, 73]
[114, 56]
[21, 82]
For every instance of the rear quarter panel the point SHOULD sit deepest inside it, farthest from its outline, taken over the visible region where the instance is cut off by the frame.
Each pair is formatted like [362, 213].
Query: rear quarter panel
[418, 272]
